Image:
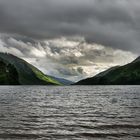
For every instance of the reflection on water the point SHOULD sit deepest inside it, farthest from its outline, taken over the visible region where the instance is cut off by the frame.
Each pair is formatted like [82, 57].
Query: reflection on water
[73, 112]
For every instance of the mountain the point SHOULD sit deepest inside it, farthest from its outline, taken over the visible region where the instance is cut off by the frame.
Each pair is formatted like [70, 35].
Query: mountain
[120, 75]
[63, 81]
[15, 71]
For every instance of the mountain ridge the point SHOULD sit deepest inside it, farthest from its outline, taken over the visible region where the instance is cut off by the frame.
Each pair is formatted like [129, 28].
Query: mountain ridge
[63, 81]
[27, 73]
[128, 74]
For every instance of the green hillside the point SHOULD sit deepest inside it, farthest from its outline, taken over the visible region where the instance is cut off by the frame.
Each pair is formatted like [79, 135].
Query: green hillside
[15, 71]
[121, 75]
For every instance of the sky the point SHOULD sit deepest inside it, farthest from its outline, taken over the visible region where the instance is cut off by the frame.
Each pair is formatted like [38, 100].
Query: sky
[72, 39]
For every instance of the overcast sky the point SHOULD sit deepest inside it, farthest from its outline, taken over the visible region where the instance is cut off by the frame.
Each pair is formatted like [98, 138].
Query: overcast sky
[73, 39]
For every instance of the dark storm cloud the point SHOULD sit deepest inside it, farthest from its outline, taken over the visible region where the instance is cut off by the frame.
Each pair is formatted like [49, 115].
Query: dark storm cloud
[114, 23]
[64, 57]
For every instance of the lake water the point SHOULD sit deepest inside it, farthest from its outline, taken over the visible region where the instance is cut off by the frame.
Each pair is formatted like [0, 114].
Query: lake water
[70, 113]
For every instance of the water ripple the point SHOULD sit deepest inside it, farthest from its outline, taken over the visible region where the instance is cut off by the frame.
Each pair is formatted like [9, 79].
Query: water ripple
[70, 112]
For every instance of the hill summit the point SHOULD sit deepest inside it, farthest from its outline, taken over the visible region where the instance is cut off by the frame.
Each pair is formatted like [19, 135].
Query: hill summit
[15, 71]
[120, 75]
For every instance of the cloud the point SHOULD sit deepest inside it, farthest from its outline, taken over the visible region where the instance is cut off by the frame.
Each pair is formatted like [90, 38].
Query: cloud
[72, 39]
[69, 58]
[106, 22]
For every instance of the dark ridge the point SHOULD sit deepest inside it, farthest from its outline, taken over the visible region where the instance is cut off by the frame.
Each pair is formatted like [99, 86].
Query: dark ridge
[136, 60]
[121, 75]
[15, 71]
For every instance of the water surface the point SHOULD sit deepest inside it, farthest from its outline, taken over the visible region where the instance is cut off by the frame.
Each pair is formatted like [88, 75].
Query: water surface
[70, 112]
